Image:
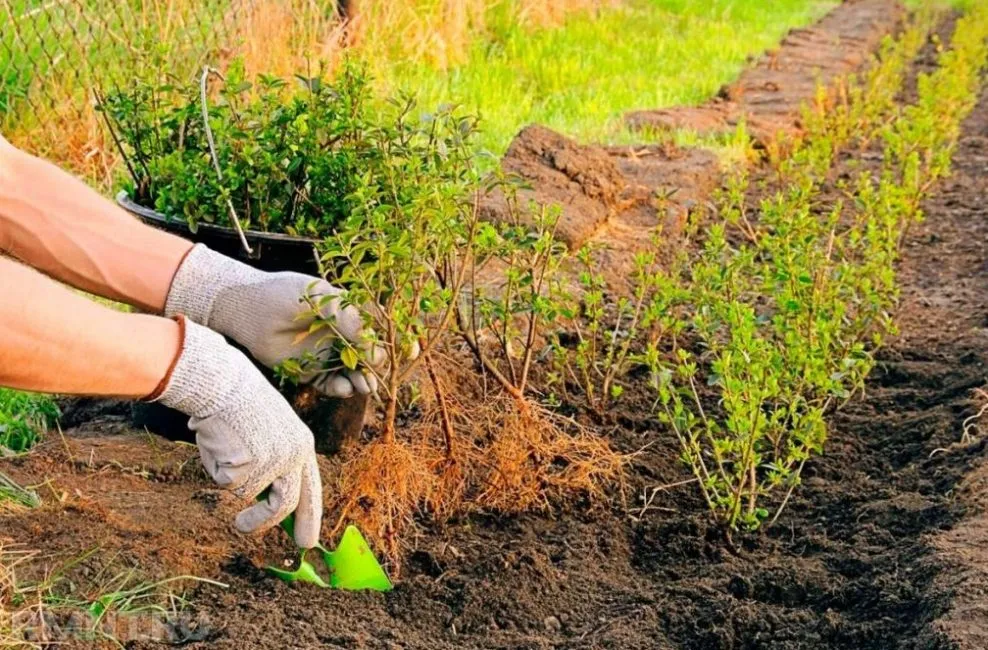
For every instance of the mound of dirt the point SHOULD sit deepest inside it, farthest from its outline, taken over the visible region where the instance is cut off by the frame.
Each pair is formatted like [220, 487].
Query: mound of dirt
[770, 94]
[556, 170]
[666, 184]
[611, 197]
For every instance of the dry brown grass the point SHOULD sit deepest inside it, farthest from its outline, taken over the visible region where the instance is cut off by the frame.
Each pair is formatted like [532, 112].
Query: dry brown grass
[433, 32]
[12, 612]
[7, 632]
[543, 13]
[283, 38]
[280, 37]
[76, 141]
[440, 32]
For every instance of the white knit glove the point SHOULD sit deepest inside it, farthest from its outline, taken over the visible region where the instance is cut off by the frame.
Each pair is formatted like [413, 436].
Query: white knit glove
[249, 437]
[267, 314]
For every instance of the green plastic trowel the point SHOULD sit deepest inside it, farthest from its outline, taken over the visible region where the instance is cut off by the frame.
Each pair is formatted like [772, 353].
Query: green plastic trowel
[352, 566]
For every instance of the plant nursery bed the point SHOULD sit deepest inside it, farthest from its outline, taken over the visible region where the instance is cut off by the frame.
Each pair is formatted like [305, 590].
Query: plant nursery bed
[883, 547]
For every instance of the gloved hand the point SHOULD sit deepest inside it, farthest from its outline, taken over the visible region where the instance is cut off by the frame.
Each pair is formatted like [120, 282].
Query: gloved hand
[265, 313]
[249, 437]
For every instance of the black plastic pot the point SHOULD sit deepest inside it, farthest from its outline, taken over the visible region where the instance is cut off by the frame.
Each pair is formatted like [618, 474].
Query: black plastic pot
[331, 420]
[271, 251]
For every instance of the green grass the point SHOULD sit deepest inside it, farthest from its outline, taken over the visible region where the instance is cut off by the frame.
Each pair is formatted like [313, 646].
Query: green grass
[15, 58]
[961, 5]
[580, 79]
[101, 604]
[23, 419]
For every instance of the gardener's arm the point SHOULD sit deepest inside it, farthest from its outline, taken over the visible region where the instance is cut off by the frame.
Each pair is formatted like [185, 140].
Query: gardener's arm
[53, 222]
[53, 340]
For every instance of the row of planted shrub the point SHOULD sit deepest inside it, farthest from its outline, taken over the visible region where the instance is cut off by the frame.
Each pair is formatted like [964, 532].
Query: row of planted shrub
[767, 321]
[763, 322]
[783, 309]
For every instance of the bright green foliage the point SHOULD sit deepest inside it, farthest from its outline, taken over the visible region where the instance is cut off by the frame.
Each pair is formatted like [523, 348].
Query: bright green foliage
[607, 331]
[110, 600]
[291, 153]
[405, 244]
[23, 418]
[785, 323]
[96, 603]
[864, 105]
[527, 300]
[11, 492]
[127, 597]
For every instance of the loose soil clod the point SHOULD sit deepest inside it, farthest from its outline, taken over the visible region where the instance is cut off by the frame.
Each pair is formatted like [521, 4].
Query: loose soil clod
[609, 195]
[582, 180]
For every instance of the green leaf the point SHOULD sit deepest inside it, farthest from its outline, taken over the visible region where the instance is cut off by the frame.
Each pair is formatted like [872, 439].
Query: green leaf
[350, 357]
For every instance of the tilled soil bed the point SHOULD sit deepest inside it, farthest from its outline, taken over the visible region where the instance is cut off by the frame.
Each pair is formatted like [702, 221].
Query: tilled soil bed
[883, 547]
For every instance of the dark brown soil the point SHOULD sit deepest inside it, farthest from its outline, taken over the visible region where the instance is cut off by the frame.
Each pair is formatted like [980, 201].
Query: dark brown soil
[857, 563]
[883, 548]
[948, 311]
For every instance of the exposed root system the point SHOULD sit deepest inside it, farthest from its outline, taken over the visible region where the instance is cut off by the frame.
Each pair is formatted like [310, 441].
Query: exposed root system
[534, 462]
[380, 489]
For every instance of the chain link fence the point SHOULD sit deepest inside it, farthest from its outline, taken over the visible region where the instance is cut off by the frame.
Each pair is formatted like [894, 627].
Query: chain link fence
[53, 53]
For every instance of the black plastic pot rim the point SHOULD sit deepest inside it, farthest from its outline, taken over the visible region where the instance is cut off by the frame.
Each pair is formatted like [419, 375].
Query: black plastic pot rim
[128, 204]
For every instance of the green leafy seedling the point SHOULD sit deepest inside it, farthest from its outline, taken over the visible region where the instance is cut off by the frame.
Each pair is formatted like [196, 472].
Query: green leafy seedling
[352, 566]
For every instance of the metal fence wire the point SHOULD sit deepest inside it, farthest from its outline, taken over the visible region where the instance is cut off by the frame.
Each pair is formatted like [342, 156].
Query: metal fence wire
[54, 52]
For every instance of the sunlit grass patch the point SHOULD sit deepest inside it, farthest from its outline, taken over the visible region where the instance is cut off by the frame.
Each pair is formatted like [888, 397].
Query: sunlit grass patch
[24, 417]
[582, 77]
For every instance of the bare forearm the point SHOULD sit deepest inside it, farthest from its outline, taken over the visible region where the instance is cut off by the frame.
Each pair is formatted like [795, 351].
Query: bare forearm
[55, 223]
[55, 341]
